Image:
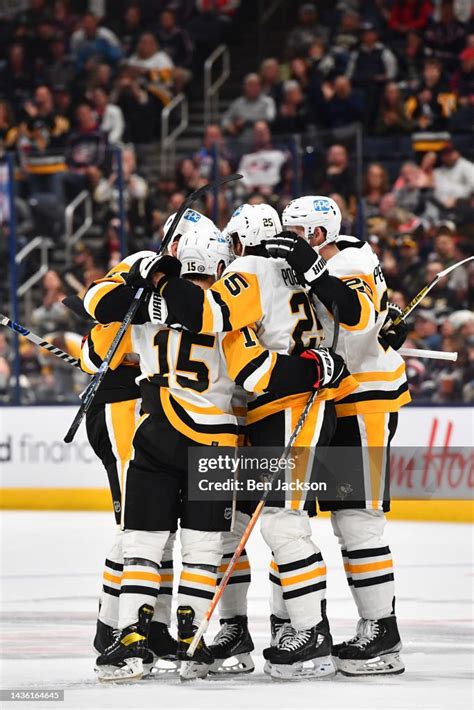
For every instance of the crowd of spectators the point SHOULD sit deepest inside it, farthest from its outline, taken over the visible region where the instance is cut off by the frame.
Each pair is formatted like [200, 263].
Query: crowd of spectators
[404, 69]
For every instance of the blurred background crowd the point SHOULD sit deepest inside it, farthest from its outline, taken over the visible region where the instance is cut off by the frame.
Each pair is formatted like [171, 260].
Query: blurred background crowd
[370, 102]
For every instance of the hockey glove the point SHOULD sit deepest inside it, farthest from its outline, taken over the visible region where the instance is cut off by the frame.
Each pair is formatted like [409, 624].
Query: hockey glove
[331, 367]
[142, 271]
[393, 335]
[299, 255]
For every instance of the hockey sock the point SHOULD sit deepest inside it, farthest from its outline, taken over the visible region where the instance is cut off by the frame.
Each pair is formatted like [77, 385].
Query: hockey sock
[234, 599]
[300, 564]
[140, 585]
[367, 560]
[112, 578]
[277, 603]
[165, 592]
[197, 585]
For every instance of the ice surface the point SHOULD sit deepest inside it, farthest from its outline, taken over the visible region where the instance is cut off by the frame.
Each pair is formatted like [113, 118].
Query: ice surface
[50, 575]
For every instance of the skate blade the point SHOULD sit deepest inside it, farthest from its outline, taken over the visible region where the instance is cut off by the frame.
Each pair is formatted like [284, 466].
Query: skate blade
[235, 665]
[131, 671]
[166, 666]
[323, 667]
[193, 670]
[388, 664]
[267, 668]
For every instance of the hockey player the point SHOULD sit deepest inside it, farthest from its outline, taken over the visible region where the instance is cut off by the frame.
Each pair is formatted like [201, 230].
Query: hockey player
[342, 268]
[265, 298]
[187, 383]
[110, 424]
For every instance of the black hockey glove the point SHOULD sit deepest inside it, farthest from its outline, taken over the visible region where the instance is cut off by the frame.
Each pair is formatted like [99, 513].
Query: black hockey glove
[141, 272]
[299, 255]
[331, 366]
[393, 335]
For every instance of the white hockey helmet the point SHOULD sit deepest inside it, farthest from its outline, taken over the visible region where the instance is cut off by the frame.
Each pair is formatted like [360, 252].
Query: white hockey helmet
[314, 211]
[200, 251]
[190, 221]
[254, 224]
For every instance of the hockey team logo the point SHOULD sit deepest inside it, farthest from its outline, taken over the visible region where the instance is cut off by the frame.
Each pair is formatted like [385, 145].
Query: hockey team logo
[343, 490]
[227, 513]
[321, 205]
[192, 216]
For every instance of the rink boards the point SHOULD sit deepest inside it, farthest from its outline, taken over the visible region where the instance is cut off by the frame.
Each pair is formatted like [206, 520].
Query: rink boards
[39, 471]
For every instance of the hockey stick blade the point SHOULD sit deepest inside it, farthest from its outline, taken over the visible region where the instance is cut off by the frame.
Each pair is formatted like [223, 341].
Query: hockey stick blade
[426, 289]
[33, 338]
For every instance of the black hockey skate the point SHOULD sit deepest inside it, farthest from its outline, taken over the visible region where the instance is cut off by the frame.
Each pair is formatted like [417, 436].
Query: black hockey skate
[233, 641]
[128, 658]
[337, 647]
[164, 648]
[375, 650]
[105, 635]
[198, 666]
[280, 629]
[303, 654]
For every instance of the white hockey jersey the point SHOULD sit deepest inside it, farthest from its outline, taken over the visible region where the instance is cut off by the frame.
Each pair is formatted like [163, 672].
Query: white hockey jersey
[378, 369]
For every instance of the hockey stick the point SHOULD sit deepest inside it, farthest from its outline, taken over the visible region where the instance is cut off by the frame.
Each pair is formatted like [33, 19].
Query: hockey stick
[94, 384]
[261, 504]
[430, 354]
[17, 328]
[426, 289]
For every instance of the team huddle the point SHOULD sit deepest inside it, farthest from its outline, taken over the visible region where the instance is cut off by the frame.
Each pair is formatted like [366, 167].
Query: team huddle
[234, 334]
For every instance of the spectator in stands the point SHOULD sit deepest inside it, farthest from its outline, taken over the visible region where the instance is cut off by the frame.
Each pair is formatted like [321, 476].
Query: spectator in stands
[85, 151]
[370, 67]
[462, 84]
[374, 188]
[347, 224]
[44, 134]
[433, 103]
[338, 176]
[411, 188]
[392, 117]
[60, 70]
[140, 108]
[8, 130]
[17, 78]
[135, 195]
[150, 61]
[261, 167]
[409, 265]
[322, 62]
[406, 15]
[425, 330]
[411, 57]
[91, 44]
[110, 116]
[187, 175]
[129, 28]
[346, 37]
[174, 40]
[204, 157]
[446, 36]
[270, 77]
[342, 106]
[52, 315]
[249, 108]
[307, 29]
[454, 179]
[292, 115]
[64, 21]
[445, 247]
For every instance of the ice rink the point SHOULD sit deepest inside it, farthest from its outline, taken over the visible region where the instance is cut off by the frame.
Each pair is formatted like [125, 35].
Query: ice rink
[50, 576]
